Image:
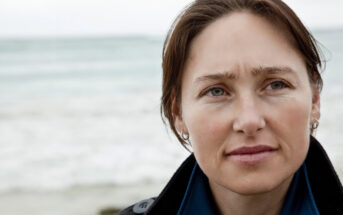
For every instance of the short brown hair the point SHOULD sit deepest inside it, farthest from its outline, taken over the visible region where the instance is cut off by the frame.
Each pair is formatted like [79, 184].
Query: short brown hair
[198, 16]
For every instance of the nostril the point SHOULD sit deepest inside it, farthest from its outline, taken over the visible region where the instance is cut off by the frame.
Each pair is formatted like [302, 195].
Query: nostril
[248, 126]
[240, 131]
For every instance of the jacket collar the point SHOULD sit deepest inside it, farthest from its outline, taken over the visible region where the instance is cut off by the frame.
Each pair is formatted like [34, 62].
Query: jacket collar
[326, 186]
[198, 197]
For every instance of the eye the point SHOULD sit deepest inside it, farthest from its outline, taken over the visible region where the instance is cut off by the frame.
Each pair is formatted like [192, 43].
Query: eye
[216, 91]
[276, 85]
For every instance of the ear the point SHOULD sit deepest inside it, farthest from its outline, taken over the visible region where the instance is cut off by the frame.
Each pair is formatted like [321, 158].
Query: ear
[315, 112]
[177, 114]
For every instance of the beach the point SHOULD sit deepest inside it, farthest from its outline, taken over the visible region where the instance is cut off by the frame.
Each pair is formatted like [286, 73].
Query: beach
[80, 122]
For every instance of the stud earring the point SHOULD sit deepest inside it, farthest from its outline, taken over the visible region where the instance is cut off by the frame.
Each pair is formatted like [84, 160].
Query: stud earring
[184, 136]
[314, 125]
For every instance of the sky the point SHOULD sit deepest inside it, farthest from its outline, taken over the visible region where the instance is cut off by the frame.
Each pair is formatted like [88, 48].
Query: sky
[63, 18]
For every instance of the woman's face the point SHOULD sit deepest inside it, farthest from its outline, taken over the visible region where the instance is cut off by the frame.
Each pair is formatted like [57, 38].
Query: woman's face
[247, 104]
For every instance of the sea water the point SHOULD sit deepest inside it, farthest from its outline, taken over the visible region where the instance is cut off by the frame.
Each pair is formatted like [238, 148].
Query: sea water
[80, 125]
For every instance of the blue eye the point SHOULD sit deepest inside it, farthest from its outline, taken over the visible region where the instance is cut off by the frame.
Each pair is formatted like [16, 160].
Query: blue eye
[277, 85]
[216, 91]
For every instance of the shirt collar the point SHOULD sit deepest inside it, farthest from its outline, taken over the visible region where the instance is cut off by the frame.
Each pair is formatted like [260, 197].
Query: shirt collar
[299, 199]
[198, 198]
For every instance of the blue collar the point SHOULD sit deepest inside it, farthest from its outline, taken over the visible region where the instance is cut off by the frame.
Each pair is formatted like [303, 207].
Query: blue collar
[198, 197]
[299, 199]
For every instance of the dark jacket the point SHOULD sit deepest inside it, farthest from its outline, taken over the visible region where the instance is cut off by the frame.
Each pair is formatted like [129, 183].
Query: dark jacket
[326, 187]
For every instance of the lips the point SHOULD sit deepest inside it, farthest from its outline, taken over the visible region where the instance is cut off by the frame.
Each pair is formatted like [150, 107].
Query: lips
[251, 150]
[252, 155]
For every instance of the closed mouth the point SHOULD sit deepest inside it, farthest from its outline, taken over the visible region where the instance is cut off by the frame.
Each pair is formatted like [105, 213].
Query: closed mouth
[251, 155]
[251, 150]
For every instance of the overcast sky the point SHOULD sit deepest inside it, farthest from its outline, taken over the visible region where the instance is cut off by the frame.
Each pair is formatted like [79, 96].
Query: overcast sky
[39, 18]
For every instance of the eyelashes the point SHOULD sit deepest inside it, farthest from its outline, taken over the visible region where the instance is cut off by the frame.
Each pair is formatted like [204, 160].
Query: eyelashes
[277, 85]
[216, 91]
[270, 86]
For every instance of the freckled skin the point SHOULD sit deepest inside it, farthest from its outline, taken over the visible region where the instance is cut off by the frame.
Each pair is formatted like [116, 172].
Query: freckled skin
[250, 113]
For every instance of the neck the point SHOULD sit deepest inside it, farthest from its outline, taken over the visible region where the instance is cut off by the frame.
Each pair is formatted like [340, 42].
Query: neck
[232, 203]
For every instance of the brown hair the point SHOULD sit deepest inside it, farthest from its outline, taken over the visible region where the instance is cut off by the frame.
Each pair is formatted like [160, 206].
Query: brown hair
[198, 16]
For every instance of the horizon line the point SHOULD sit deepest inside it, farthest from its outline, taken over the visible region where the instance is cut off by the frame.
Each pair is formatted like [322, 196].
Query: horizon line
[124, 35]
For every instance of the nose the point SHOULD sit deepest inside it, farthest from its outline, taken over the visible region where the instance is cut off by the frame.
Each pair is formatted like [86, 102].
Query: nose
[249, 119]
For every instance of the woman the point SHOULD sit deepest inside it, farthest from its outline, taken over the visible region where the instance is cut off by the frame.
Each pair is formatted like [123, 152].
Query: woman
[241, 87]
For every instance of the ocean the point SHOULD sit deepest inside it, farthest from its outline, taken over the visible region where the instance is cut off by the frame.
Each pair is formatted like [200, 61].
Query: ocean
[80, 125]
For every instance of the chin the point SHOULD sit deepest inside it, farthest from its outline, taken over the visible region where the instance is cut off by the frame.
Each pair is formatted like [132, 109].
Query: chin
[258, 186]
[253, 190]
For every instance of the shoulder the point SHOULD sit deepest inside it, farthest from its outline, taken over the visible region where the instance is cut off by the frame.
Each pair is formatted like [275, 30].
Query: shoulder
[140, 207]
[169, 200]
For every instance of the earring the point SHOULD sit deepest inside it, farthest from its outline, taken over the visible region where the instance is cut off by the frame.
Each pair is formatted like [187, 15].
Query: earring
[314, 125]
[184, 136]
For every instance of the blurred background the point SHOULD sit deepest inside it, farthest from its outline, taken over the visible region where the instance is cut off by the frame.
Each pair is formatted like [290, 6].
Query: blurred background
[80, 80]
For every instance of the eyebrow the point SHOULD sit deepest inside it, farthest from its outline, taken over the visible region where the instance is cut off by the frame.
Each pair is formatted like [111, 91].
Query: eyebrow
[271, 70]
[259, 71]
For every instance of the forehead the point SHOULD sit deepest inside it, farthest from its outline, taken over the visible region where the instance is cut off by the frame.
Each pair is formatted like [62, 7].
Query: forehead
[242, 40]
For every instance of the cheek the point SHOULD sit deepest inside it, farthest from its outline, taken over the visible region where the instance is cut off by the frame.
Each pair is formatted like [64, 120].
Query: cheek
[292, 127]
[296, 119]
[207, 131]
